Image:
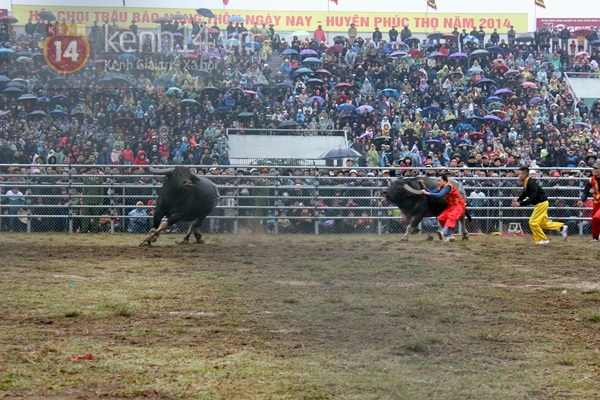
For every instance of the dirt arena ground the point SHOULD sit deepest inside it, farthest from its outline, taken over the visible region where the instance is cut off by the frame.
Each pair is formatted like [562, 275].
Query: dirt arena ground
[298, 317]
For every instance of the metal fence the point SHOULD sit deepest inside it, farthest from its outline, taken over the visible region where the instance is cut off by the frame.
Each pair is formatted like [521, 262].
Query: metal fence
[298, 200]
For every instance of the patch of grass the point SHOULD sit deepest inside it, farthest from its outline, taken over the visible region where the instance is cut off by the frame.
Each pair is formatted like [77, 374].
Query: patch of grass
[594, 317]
[291, 301]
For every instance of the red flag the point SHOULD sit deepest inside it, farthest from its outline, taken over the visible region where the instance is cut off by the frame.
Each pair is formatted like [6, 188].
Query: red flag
[540, 3]
[335, 1]
[432, 4]
[225, 2]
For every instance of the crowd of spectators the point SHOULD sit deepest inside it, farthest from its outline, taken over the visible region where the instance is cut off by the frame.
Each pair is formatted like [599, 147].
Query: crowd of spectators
[403, 102]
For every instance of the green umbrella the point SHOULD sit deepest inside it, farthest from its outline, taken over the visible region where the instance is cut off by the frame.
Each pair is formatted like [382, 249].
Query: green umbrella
[173, 90]
[246, 114]
[497, 104]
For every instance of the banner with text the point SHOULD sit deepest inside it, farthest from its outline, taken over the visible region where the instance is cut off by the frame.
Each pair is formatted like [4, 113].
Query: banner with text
[573, 23]
[284, 21]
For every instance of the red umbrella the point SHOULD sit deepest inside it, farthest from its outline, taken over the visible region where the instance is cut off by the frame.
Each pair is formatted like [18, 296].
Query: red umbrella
[9, 19]
[259, 38]
[213, 30]
[500, 69]
[414, 53]
[190, 57]
[476, 135]
[342, 99]
[336, 48]
[449, 36]
[583, 31]
[122, 121]
[161, 19]
[529, 85]
[124, 30]
[99, 61]
[343, 85]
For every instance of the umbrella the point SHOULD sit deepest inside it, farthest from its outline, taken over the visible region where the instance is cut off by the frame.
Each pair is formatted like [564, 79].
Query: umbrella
[6, 50]
[12, 89]
[365, 108]
[211, 91]
[9, 19]
[435, 35]
[205, 12]
[500, 69]
[236, 18]
[160, 20]
[288, 124]
[340, 39]
[190, 102]
[232, 42]
[436, 54]
[213, 31]
[458, 55]
[529, 85]
[498, 61]
[190, 57]
[389, 92]
[503, 91]
[414, 53]
[349, 118]
[412, 39]
[346, 107]
[340, 153]
[300, 33]
[536, 100]
[312, 60]
[288, 52]
[308, 52]
[397, 54]
[343, 85]
[303, 70]
[493, 98]
[59, 82]
[381, 138]
[494, 48]
[47, 15]
[476, 135]
[449, 36]
[485, 80]
[500, 113]
[595, 43]
[258, 38]
[336, 48]
[178, 17]
[246, 115]
[366, 134]
[433, 110]
[496, 104]
[253, 45]
[173, 90]
[322, 71]
[524, 38]
[398, 43]
[26, 97]
[430, 141]
[58, 114]
[457, 75]
[580, 31]
[581, 125]
[580, 54]
[473, 118]
[318, 99]
[38, 113]
[464, 127]
[4, 78]
[122, 121]
[491, 117]
[475, 69]
[512, 73]
[178, 34]
[479, 52]
[314, 81]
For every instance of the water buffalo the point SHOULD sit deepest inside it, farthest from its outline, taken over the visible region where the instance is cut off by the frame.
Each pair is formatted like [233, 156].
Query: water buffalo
[184, 197]
[406, 194]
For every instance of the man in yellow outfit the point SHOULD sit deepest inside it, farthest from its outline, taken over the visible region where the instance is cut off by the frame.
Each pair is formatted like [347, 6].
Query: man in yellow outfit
[535, 195]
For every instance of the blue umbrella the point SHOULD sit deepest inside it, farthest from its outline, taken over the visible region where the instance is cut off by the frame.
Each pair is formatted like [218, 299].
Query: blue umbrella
[232, 42]
[308, 52]
[536, 100]
[6, 50]
[236, 18]
[503, 91]
[340, 152]
[475, 69]
[433, 110]
[12, 89]
[495, 48]
[458, 55]
[389, 92]
[287, 52]
[304, 70]
[349, 118]
[4, 78]
[172, 90]
[346, 107]
[205, 12]
[58, 114]
[253, 45]
[126, 57]
[493, 98]
[464, 127]
[470, 37]
[312, 60]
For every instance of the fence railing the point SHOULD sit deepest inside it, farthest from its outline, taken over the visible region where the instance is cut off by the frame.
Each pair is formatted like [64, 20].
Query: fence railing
[301, 200]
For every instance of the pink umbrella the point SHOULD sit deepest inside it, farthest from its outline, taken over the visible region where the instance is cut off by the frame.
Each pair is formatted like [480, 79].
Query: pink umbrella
[336, 48]
[583, 54]
[528, 85]
[366, 134]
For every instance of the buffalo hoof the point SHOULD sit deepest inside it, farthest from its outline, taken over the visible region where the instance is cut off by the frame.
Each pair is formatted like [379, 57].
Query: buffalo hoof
[183, 242]
[430, 238]
[199, 241]
[404, 239]
[145, 243]
[465, 237]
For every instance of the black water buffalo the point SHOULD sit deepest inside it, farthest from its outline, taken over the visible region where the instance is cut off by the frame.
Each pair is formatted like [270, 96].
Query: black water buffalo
[184, 197]
[406, 194]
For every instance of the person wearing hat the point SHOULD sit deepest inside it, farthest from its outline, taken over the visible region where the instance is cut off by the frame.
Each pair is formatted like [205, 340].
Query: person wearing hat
[319, 34]
[534, 194]
[352, 33]
[593, 185]
[138, 223]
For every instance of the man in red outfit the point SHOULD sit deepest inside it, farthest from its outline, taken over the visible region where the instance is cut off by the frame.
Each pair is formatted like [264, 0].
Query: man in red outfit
[456, 205]
[593, 185]
[320, 34]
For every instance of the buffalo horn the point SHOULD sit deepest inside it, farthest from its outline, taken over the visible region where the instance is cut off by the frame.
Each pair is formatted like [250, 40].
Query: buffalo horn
[411, 190]
[161, 171]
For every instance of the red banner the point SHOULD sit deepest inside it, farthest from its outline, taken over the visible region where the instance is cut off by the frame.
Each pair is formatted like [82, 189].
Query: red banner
[3, 12]
[572, 23]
